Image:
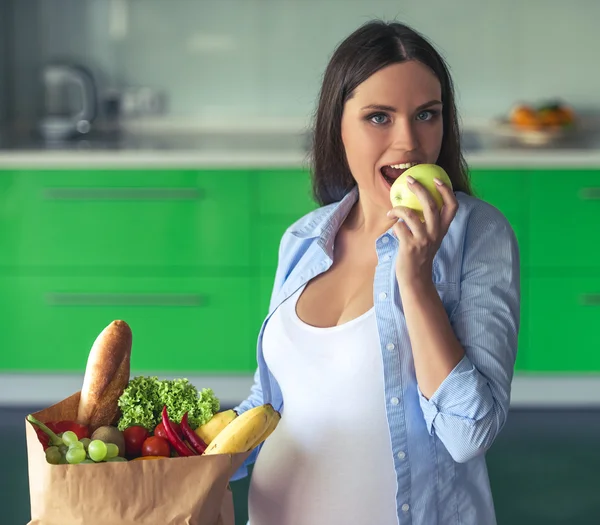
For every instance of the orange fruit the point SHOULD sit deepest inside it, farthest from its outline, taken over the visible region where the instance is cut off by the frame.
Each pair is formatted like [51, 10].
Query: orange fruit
[524, 116]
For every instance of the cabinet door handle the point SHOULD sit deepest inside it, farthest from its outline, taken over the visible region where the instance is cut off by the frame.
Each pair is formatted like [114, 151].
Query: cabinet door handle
[123, 194]
[590, 299]
[123, 299]
[589, 194]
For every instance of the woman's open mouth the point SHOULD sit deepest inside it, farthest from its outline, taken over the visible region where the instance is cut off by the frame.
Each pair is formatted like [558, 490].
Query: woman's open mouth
[391, 172]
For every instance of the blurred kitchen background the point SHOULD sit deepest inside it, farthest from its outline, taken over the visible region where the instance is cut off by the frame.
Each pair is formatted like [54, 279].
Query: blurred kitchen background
[137, 135]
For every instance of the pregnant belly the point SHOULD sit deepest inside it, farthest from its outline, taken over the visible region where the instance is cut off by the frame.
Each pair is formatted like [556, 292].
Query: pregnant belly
[313, 474]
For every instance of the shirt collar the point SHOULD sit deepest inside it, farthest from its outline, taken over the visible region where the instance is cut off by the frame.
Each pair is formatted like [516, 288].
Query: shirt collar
[326, 223]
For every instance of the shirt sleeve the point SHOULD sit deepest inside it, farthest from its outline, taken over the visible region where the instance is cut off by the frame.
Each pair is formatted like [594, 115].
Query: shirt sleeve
[470, 407]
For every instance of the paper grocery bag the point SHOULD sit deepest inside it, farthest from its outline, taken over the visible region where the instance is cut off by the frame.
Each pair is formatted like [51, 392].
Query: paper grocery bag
[172, 491]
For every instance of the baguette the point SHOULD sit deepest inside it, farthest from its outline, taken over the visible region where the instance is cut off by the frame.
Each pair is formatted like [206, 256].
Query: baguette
[106, 376]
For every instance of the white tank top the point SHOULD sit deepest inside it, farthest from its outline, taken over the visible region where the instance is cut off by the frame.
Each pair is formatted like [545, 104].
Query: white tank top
[329, 461]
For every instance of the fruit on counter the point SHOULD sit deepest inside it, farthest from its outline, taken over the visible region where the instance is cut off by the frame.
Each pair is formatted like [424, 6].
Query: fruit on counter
[144, 398]
[196, 444]
[176, 442]
[106, 376]
[156, 446]
[213, 426]
[134, 439]
[402, 195]
[246, 431]
[552, 114]
[112, 435]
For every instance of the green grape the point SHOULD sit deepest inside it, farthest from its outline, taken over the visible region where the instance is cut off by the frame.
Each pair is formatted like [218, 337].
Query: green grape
[112, 451]
[63, 449]
[86, 442]
[62, 460]
[75, 455]
[69, 437]
[97, 450]
[53, 455]
[116, 459]
[87, 460]
[77, 444]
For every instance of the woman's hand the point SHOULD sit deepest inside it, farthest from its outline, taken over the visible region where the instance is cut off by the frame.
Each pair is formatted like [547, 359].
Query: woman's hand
[420, 241]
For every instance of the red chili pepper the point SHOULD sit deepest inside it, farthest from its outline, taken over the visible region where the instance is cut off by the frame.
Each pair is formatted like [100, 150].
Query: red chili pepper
[172, 436]
[82, 431]
[195, 441]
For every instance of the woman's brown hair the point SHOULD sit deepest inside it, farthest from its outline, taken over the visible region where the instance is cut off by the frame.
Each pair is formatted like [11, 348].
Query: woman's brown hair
[370, 48]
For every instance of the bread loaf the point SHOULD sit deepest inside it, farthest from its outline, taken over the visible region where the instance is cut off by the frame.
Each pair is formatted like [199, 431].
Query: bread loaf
[106, 376]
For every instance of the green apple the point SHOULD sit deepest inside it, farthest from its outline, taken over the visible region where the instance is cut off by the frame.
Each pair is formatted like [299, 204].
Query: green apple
[401, 194]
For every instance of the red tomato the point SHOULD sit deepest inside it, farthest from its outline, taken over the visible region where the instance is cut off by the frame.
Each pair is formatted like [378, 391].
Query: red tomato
[156, 446]
[161, 432]
[134, 439]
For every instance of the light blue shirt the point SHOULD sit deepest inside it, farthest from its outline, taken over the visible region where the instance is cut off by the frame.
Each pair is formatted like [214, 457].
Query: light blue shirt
[438, 444]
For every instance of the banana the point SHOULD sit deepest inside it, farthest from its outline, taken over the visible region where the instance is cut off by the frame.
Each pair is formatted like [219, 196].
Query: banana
[245, 431]
[212, 427]
[274, 418]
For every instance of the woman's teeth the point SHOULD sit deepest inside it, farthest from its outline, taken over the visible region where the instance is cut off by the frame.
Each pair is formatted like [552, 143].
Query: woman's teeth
[404, 166]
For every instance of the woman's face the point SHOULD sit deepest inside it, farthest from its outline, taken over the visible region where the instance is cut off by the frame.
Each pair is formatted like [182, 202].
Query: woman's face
[393, 119]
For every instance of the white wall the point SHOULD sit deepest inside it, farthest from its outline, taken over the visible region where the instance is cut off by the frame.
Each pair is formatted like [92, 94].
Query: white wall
[246, 59]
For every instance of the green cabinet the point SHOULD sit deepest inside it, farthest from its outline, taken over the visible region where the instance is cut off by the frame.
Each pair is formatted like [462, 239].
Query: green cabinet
[507, 190]
[564, 217]
[188, 257]
[179, 324]
[564, 313]
[556, 216]
[134, 218]
[182, 255]
[284, 197]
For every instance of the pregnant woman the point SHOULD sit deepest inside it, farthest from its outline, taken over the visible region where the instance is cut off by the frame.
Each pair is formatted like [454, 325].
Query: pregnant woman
[390, 342]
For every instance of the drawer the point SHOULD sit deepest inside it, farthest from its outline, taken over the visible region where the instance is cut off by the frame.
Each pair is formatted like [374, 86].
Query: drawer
[564, 313]
[565, 218]
[125, 218]
[507, 191]
[285, 192]
[180, 325]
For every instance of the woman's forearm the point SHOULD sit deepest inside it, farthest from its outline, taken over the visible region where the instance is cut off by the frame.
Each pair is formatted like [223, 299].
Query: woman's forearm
[436, 350]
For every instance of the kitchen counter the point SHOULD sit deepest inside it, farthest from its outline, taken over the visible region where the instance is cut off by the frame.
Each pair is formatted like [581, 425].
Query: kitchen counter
[266, 148]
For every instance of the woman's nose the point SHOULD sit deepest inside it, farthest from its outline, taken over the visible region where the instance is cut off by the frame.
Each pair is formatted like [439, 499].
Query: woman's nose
[404, 135]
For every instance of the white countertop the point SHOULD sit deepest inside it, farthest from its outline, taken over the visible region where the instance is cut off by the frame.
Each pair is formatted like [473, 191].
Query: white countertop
[528, 390]
[268, 147]
[267, 159]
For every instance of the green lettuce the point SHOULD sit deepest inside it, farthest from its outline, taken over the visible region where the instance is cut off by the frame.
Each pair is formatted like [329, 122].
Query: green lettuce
[142, 402]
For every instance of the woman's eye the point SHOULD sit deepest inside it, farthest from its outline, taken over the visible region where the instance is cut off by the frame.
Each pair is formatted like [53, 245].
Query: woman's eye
[379, 118]
[427, 115]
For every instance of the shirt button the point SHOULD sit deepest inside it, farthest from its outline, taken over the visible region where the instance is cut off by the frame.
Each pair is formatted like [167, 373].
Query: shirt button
[395, 400]
[385, 240]
[382, 296]
[401, 455]
[406, 507]
[388, 257]
[390, 346]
